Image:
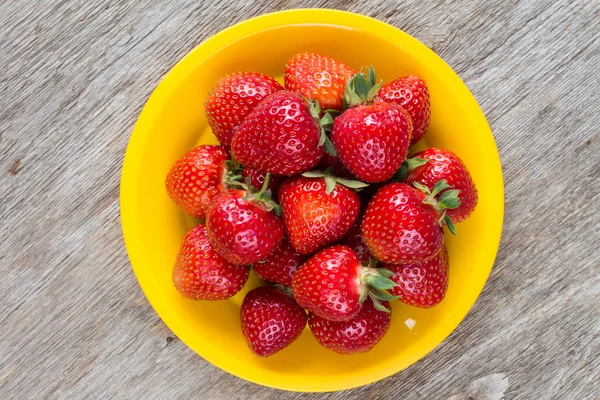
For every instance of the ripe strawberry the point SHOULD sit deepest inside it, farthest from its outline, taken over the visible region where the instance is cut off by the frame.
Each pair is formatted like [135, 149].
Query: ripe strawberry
[280, 266]
[257, 179]
[403, 224]
[197, 177]
[444, 164]
[271, 320]
[319, 78]
[421, 284]
[202, 274]
[354, 240]
[411, 93]
[282, 136]
[371, 139]
[333, 284]
[232, 98]
[316, 211]
[358, 335]
[242, 226]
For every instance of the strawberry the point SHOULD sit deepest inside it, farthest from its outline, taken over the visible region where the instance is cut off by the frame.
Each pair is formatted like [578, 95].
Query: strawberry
[232, 98]
[319, 78]
[271, 320]
[358, 335]
[316, 211]
[421, 284]
[437, 164]
[280, 266]
[257, 179]
[411, 93]
[354, 240]
[333, 284]
[243, 227]
[371, 138]
[202, 274]
[403, 224]
[197, 177]
[283, 135]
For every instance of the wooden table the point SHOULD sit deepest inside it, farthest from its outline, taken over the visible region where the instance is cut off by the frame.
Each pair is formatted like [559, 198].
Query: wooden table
[74, 77]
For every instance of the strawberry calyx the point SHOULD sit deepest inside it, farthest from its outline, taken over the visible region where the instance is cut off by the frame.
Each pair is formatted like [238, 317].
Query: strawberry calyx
[263, 198]
[361, 88]
[324, 122]
[331, 180]
[447, 200]
[375, 284]
[233, 173]
[282, 288]
[409, 165]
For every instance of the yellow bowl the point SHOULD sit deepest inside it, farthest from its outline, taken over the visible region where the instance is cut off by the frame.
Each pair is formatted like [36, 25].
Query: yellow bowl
[173, 122]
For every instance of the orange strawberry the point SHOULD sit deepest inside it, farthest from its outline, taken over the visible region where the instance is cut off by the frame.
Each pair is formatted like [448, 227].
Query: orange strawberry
[318, 77]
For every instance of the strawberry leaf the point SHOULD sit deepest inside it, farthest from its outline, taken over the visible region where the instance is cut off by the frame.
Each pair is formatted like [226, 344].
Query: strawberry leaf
[314, 174]
[415, 162]
[329, 184]
[385, 272]
[449, 199]
[329, 147]
[378, 306]
[381, 295]
[450, 225]
[352, 184]
[380, 282]
[372, 78]
[439, 186]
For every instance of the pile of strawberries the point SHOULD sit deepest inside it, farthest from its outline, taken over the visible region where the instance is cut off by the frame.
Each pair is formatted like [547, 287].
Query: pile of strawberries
[311, 188]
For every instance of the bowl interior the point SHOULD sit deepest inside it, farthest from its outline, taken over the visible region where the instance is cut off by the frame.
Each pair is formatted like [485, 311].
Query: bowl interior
[174, 122]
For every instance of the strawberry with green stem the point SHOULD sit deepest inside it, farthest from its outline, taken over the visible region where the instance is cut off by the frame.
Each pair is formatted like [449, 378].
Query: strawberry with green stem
[404, 224]
[371, 137]
[333, 284]
[244, 226]
[318, 209]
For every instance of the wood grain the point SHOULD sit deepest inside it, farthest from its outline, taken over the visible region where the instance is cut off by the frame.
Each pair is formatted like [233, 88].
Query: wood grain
[74, 77]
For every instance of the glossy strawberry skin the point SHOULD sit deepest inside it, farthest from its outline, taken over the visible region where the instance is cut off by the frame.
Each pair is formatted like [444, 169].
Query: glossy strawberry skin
[358, 335]
[241, 230]
[372, 140]
[280, 266]
[399, 228]
[412, 94]
[202, 274]
[329, 284]
[271, 320]
[444, 164]
[197, 177]
[280, 136]
[354, 240]
[257, 178]
[232, 98]
[318, 77]
[313, 218]
[421, 284]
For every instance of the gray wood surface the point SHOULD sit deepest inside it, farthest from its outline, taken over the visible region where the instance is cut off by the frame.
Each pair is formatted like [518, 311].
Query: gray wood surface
[74, 76]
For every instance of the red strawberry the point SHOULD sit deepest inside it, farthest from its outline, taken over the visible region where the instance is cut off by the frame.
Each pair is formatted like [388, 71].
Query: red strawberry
[242, 226]
[232, 98]
[403, 224]
[202, 274]
[444, 164]
[271, 320]
[257, 178]
[319, 78]
[354, 240]
[281, 136]
[333, 284]
[316, 211]
[337, 166]
[421, 284]
[280, 266]
[371, 139]
[358, 335]
[411, 93]
[197, 177]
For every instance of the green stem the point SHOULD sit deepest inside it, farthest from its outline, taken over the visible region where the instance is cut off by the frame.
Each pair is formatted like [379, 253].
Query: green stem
[265, 185]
